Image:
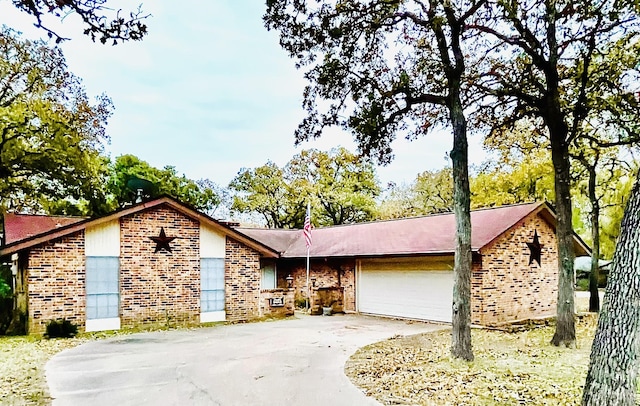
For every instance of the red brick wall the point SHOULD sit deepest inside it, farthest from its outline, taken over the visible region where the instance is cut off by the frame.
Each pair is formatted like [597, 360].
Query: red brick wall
[56, 280]
[242, 281]
[505, 287]
[265, 305]
[329, 273]
[162, 287]
[155, 288]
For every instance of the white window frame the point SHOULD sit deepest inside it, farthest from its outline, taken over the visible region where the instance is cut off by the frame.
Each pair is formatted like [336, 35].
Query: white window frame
[218, 314]
[265, 266]
[95, 288]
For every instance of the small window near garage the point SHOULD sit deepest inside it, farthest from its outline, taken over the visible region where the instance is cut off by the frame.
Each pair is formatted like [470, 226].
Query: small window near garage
[268, 276]
[212, 285]
[103, 295]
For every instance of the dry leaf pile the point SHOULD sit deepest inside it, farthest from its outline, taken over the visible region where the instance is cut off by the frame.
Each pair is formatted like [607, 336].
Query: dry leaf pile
[519, 368]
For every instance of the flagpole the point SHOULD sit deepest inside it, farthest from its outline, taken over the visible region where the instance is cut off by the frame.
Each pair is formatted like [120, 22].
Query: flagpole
[306, 231]
[308, 287]
[308, 248]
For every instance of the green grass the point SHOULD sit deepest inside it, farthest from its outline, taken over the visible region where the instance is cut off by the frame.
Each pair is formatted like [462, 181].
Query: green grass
[22, 361]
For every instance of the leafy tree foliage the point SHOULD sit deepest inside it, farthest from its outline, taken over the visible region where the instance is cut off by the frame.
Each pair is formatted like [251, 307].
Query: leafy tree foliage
[431, 192]
[265, 191]
[100, 21]
[340, 186]
[516, 181]
[51, 135]
[397, 201]
[201, 195]
[540, 68]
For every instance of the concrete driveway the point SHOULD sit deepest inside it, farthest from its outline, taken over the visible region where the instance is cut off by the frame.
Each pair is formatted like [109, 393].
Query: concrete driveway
[297, 361]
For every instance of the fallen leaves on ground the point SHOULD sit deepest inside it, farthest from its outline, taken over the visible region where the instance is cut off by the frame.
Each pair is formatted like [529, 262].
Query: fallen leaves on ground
[520, 368]
[22, 361]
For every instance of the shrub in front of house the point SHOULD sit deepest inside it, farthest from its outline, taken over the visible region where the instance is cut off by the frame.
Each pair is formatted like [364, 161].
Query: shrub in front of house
[300, 303]
[61, 328]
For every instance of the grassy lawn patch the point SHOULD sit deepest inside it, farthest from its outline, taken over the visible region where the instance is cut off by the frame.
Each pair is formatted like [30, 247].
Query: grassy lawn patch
[22, 361]
[510, 369]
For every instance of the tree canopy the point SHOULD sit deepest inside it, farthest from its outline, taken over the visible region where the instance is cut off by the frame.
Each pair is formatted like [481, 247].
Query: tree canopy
[202, 195]
[341, 187]
[51, 135]
[430, 192]
[100, 21]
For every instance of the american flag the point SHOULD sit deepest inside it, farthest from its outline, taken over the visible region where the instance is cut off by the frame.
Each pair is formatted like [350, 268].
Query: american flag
[307, 227]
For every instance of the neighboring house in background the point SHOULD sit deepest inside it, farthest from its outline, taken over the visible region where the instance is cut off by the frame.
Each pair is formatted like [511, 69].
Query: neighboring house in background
[23, 226]
[404, 268]
[582, 268]
[161, 261]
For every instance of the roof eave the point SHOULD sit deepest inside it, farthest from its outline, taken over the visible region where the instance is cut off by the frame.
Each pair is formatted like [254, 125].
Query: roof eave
[165, 200]
[535, 210]
[378, 255]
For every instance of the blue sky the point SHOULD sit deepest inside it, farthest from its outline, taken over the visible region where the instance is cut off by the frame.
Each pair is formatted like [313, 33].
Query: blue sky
[210, 91]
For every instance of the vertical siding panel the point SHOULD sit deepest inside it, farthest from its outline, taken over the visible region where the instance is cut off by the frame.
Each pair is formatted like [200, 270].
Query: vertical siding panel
[212, 243]
[103, 240]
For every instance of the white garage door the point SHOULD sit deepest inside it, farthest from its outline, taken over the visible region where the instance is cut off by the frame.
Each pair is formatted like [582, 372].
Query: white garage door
[409, 288]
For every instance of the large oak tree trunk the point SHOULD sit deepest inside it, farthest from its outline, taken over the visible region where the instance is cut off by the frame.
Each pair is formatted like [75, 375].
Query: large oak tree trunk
[565, 333]
[554, 118]
[613, 368]
[461, 316]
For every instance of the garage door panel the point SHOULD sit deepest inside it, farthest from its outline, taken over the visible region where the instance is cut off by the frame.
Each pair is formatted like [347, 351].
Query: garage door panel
[415, 294]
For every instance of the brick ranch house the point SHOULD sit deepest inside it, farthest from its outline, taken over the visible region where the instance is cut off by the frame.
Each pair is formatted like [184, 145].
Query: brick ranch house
[404, 268]
[163, 262]
[153, 263]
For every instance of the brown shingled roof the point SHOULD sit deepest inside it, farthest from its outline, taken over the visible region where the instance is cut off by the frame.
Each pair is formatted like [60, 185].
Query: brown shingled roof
[279, 239]
[412, 236]
[21, 226]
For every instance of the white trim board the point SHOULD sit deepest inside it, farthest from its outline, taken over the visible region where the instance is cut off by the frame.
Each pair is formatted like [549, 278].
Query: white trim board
[102, 324]
[210, 317]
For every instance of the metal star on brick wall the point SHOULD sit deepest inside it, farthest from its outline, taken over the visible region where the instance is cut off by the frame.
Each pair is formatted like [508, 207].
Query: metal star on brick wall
[535, 248]
[162, 241]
